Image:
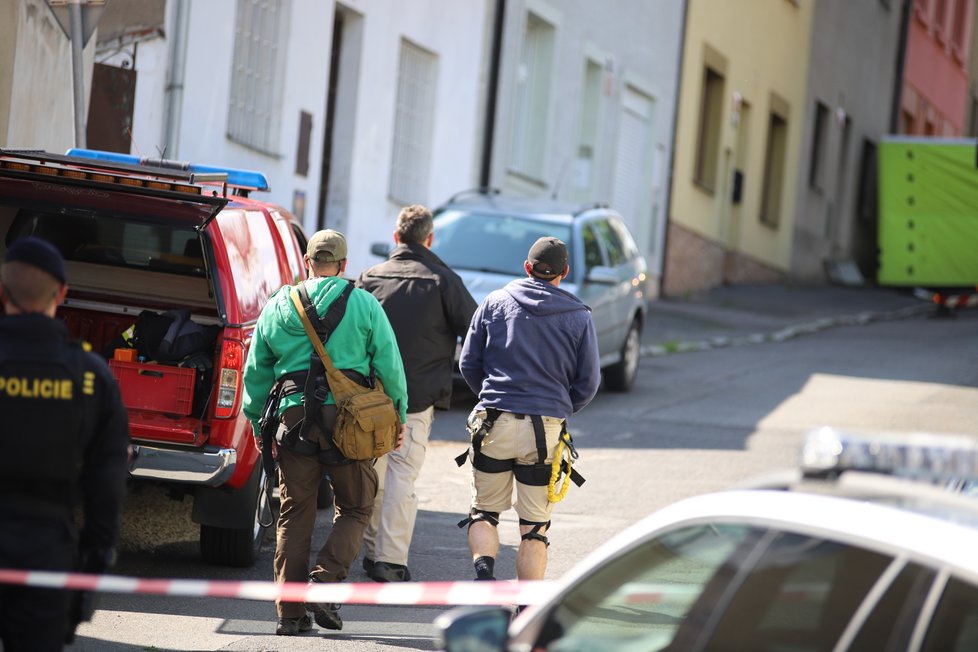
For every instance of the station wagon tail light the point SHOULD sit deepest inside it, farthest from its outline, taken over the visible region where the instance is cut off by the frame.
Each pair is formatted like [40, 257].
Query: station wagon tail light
[936, 458]
[229, 379]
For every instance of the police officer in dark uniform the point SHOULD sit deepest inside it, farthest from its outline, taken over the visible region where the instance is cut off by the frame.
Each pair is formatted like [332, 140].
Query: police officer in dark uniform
[65, 440]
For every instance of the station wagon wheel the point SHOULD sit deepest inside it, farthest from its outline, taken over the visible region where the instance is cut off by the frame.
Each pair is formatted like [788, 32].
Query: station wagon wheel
[620, 376]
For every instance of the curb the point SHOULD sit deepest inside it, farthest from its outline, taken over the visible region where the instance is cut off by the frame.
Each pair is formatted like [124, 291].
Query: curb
[786, 333]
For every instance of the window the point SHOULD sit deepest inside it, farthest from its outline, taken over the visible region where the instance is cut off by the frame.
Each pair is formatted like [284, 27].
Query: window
[940, 20]
[640, 600]
[891, 622]
[816, 175]
[800, 595]
[777, 143]
[532, 96]
[587, 140]
[491, 242]
[612, 242]
[959, 27]
[954, 627]
[257, 73]
[711, 117]
[592, 250]
[921, 9]
[413, 120]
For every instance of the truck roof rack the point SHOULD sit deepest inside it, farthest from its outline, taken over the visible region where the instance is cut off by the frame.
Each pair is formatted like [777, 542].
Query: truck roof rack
[240, 179]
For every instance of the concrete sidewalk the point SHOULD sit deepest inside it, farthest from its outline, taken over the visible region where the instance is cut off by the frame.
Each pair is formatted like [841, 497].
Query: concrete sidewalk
[739, 315]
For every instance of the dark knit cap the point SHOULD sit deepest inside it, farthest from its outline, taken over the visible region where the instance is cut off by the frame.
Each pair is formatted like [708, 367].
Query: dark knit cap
[40, 254]
[548, 257]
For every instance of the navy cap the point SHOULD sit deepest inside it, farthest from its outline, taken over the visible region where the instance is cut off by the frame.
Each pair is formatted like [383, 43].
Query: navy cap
[40, 254]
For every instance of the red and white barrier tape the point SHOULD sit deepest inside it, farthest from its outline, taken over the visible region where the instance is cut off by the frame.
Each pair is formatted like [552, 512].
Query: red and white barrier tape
[394, 593]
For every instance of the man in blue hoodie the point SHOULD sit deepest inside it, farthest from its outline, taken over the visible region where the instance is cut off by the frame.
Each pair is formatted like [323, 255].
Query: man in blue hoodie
[531, 356]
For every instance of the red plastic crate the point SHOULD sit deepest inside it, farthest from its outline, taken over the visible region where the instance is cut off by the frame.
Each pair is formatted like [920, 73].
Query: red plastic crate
[155, 387]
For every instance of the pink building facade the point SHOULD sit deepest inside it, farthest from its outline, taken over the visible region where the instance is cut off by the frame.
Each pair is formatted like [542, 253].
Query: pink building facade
[935, 83]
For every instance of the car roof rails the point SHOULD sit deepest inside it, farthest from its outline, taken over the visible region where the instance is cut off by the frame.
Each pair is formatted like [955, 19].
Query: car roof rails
[590, 207]
[486, 191]
[240, 180]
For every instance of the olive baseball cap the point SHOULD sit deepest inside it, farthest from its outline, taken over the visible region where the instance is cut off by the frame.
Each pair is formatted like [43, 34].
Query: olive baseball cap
[38, 253]
[326, 246]
[548, 257]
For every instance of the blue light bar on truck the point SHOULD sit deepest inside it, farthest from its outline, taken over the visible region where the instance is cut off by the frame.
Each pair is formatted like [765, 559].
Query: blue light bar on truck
[937, 458]
[235, 176]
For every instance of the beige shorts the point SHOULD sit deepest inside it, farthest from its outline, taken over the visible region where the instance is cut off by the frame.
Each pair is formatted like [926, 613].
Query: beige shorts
[512, 438]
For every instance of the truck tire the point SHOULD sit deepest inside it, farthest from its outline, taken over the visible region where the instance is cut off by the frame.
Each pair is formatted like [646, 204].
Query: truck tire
[620, 376]
[240, 547]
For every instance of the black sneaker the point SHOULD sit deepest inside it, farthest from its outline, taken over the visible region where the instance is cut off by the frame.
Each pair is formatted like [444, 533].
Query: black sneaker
[368, 564]
[293, 626]
[326, 614]
[383, 571]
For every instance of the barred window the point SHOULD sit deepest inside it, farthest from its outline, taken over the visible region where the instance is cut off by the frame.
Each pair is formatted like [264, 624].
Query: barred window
[257, 73]
[413, 124]
[530, 113]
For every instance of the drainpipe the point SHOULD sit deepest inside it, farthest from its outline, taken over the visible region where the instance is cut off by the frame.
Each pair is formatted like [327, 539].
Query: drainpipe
[900, 65]
[77, 36]
[485, 170]
[672, 150]
[173, 102]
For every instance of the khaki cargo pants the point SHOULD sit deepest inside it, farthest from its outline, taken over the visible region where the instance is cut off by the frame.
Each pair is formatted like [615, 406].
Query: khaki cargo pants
[354, 489]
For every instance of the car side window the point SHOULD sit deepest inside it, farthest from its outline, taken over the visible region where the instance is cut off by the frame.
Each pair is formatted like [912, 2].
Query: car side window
[800, 595]
[890, 624]
[954, 627]
[639, 600]
[612, 243]
[592, 250]
[628, 245]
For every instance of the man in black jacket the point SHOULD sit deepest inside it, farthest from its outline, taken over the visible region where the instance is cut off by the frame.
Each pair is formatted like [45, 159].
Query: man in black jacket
[429, 308]
[65, 441]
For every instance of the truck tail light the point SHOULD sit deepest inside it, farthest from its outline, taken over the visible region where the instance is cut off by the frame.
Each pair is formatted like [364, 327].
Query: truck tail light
[229, 378]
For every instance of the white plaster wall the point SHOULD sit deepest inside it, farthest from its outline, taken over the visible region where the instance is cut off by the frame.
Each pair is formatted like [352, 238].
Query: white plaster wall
[642, 40]
[41, 97]
[147, 115]
[454, 31]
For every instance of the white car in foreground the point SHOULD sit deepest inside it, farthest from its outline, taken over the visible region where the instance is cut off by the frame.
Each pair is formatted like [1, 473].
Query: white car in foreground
[841, 555]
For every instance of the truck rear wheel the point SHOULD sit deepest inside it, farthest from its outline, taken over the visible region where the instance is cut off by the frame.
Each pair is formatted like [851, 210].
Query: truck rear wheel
[240, 546]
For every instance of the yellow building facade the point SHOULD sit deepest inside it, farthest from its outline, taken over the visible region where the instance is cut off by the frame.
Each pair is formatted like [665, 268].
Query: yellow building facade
[738, 141]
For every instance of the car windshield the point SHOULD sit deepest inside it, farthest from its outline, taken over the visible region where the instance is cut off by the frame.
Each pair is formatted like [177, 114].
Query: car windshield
[490, 242]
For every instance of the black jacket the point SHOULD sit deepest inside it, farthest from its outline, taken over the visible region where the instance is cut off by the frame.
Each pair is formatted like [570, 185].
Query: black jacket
[429, 308]
[84, 427]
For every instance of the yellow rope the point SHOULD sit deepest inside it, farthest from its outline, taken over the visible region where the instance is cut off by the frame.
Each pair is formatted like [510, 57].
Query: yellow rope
[552, 494]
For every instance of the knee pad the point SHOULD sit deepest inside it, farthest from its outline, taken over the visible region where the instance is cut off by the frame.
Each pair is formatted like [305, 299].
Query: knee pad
[492, 518]
[534, 534]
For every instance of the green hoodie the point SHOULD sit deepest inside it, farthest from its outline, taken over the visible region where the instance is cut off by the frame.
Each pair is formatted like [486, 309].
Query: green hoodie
[362, 341]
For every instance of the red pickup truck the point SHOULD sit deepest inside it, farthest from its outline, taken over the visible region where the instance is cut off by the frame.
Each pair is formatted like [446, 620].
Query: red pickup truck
[152, 239]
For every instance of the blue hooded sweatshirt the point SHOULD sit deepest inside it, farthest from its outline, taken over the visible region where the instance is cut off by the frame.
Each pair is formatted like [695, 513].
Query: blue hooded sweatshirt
[532, 349]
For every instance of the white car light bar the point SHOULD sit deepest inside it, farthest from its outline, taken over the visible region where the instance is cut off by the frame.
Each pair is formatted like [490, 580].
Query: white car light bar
[921, 456]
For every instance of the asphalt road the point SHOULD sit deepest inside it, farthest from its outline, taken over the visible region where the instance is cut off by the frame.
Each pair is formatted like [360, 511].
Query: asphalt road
[695, 422]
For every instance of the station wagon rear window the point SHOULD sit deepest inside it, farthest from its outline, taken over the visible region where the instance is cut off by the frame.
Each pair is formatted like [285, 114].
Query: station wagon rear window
[112, 241]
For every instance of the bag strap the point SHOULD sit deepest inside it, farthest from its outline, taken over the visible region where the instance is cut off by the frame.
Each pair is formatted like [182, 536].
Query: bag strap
[340, 385]
[325, 326]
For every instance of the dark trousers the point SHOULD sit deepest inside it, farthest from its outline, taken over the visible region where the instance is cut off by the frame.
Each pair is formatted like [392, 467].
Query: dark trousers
[33, 619]
[354, 489]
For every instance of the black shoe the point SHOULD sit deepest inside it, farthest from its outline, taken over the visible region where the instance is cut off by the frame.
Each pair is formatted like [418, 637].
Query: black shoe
[368, 564]
[382, 571]
[326, 614]
[485, 579]
[293, 626]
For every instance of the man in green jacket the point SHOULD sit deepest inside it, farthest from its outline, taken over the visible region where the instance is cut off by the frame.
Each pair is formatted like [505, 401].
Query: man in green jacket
[363, 344]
